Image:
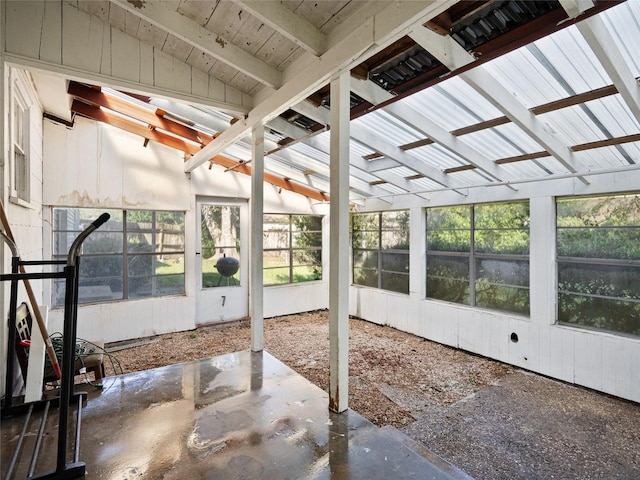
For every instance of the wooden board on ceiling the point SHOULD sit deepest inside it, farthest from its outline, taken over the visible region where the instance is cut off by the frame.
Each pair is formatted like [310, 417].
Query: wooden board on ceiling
[152, 35]
[177, 48]
[200, 12]
[315, 12]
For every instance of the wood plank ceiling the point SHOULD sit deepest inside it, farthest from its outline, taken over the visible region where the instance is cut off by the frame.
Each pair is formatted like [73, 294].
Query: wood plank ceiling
[254, 46]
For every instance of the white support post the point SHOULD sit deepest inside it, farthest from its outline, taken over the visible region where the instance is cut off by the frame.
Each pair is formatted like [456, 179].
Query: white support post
[257, 207]
[339, 246]
[4, 255]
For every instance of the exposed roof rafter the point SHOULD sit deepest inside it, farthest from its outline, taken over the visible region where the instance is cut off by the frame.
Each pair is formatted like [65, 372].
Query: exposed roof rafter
[154, 12]
[455, 57]
[292, 26]
[597, 35]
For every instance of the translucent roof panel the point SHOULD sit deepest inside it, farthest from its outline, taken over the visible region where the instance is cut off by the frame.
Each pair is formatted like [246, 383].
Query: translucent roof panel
[597, 120]
[357, 148]
[518, 138]
[551, 68]
[470, 177]
[526, 169]
[437, 156]
[452, 104]
[623, 22]
[388, 128]
[493, 144]
[425, 184]
[310, 152]
[608, 157]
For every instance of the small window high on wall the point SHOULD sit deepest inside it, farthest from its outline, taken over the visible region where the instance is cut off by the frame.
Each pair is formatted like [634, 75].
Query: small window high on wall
[598, 248]
[478, 255]
[136, 254]
[380, 243]
[292, 246]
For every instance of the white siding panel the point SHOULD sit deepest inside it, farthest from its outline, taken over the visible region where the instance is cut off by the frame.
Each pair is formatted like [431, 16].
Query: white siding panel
[588, 360]
[24, 21]
[233, 95]
[105, 53]
[622, 359]
[199, 83]
[126, 55]
[146, 64]
[294, 298]
[82, 39]
[50, 48]
[171, 74]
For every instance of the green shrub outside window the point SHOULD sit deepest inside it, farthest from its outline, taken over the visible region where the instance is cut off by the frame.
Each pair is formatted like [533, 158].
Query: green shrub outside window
[478, 255]
[380, 250]
[137, 253]
[598, 248]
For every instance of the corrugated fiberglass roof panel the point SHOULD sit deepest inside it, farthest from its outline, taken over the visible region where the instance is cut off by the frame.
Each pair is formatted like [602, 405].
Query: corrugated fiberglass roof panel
[452, 104]
[303, 149]
[624, 24]
[520, 140]
[608, 157]
[388, 128]
[437, 156]
[492, 144]
[600, 119]
[554, 67]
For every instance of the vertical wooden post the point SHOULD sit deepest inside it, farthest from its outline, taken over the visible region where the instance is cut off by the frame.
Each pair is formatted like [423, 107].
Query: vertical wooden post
[257, 211]
[339, 246]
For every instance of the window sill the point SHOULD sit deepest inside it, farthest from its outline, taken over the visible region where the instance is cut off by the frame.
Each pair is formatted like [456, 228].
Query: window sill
[23, 203]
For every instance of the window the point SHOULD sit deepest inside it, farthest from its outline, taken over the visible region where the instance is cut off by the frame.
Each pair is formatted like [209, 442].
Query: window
[479, 255]
[20, 116]
[292, 248]
[137, 253]
[598, 248]
[220, 245]
[381, 250]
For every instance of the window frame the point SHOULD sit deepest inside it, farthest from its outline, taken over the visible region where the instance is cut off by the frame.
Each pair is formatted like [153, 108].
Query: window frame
[596, 263]
[381, 252]
[291, 249]
[123, 253]
[20, 142]
[473, 256]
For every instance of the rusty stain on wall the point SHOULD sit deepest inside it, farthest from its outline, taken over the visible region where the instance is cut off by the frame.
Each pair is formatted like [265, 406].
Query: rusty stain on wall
[84, 200]
[137, 3]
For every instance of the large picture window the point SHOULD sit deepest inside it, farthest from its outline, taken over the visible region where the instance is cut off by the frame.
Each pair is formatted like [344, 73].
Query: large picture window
[380, 243]
[137, 253]
[598, 247]
[292, 248]
[479, 255]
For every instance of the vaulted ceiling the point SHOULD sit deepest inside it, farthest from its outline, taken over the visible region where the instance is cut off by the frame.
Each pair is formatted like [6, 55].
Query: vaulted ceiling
[445, 96]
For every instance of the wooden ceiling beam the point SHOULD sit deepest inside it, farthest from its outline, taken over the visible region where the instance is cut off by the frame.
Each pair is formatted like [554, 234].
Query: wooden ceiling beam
[273, 179]
[156, 120]
[540, 109]
[105, 116]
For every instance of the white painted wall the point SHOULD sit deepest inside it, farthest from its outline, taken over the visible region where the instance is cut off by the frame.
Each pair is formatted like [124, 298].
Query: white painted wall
[602, 361]
[24, 217]
[99, 166]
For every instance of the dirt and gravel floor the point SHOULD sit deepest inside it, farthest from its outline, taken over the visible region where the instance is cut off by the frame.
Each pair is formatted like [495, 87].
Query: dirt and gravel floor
[490, 420]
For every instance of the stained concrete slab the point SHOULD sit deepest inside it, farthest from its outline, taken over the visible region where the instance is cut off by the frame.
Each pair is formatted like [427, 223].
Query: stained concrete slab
[238, 416]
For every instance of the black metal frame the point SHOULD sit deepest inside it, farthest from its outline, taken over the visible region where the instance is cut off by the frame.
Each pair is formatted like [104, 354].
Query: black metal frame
[64, 469]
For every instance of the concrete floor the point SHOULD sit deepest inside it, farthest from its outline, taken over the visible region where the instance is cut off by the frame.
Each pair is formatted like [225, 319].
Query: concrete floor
[238, 416]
